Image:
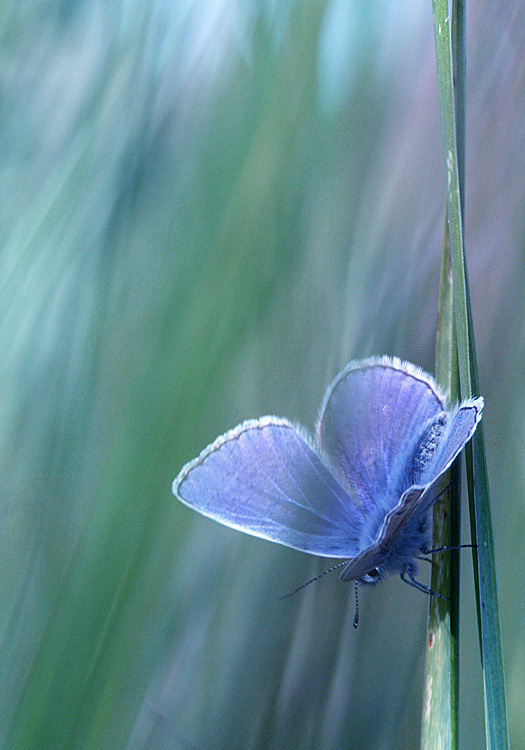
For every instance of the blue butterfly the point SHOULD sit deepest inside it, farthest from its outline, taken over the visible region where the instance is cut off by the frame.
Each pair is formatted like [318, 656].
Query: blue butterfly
[361, 490]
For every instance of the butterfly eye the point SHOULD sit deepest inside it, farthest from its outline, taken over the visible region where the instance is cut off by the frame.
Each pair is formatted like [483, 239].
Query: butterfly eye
[373, 576]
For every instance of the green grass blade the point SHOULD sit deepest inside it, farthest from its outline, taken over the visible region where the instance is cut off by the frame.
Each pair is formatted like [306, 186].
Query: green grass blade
[441, 691]
[439, 728]
[442, 36]
[488, 614]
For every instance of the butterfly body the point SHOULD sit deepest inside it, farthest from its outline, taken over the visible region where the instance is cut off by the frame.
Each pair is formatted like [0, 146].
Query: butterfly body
[361, 490]
[398, 556]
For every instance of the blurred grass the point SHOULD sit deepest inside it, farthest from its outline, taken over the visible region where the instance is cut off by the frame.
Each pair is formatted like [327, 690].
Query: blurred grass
[207, 209]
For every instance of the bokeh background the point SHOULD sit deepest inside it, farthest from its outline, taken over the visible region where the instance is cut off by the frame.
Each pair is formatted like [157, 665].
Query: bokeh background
[208, 207]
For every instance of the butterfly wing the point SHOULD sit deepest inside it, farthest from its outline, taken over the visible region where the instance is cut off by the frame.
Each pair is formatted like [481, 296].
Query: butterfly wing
[264, 478]
[461, 425]
[370, 423]
[458, 429]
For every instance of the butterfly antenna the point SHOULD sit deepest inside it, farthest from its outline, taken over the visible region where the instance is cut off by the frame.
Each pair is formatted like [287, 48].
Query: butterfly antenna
[324, 573]
[356, 616]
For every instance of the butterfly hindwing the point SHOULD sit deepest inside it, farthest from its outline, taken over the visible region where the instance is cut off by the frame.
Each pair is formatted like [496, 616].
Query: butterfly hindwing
[461, 425]
[457, 429]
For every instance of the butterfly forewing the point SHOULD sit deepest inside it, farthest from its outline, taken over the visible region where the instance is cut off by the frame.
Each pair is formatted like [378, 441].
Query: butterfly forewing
[265, 479]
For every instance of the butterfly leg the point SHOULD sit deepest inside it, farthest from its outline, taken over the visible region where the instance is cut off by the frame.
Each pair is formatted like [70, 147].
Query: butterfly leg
[447, 549]
[418, 585]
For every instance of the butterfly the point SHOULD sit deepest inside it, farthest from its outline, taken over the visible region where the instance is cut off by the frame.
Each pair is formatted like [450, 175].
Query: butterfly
[361, 490]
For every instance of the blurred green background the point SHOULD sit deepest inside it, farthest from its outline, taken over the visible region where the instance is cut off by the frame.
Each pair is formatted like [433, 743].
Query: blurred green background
[207, 209]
